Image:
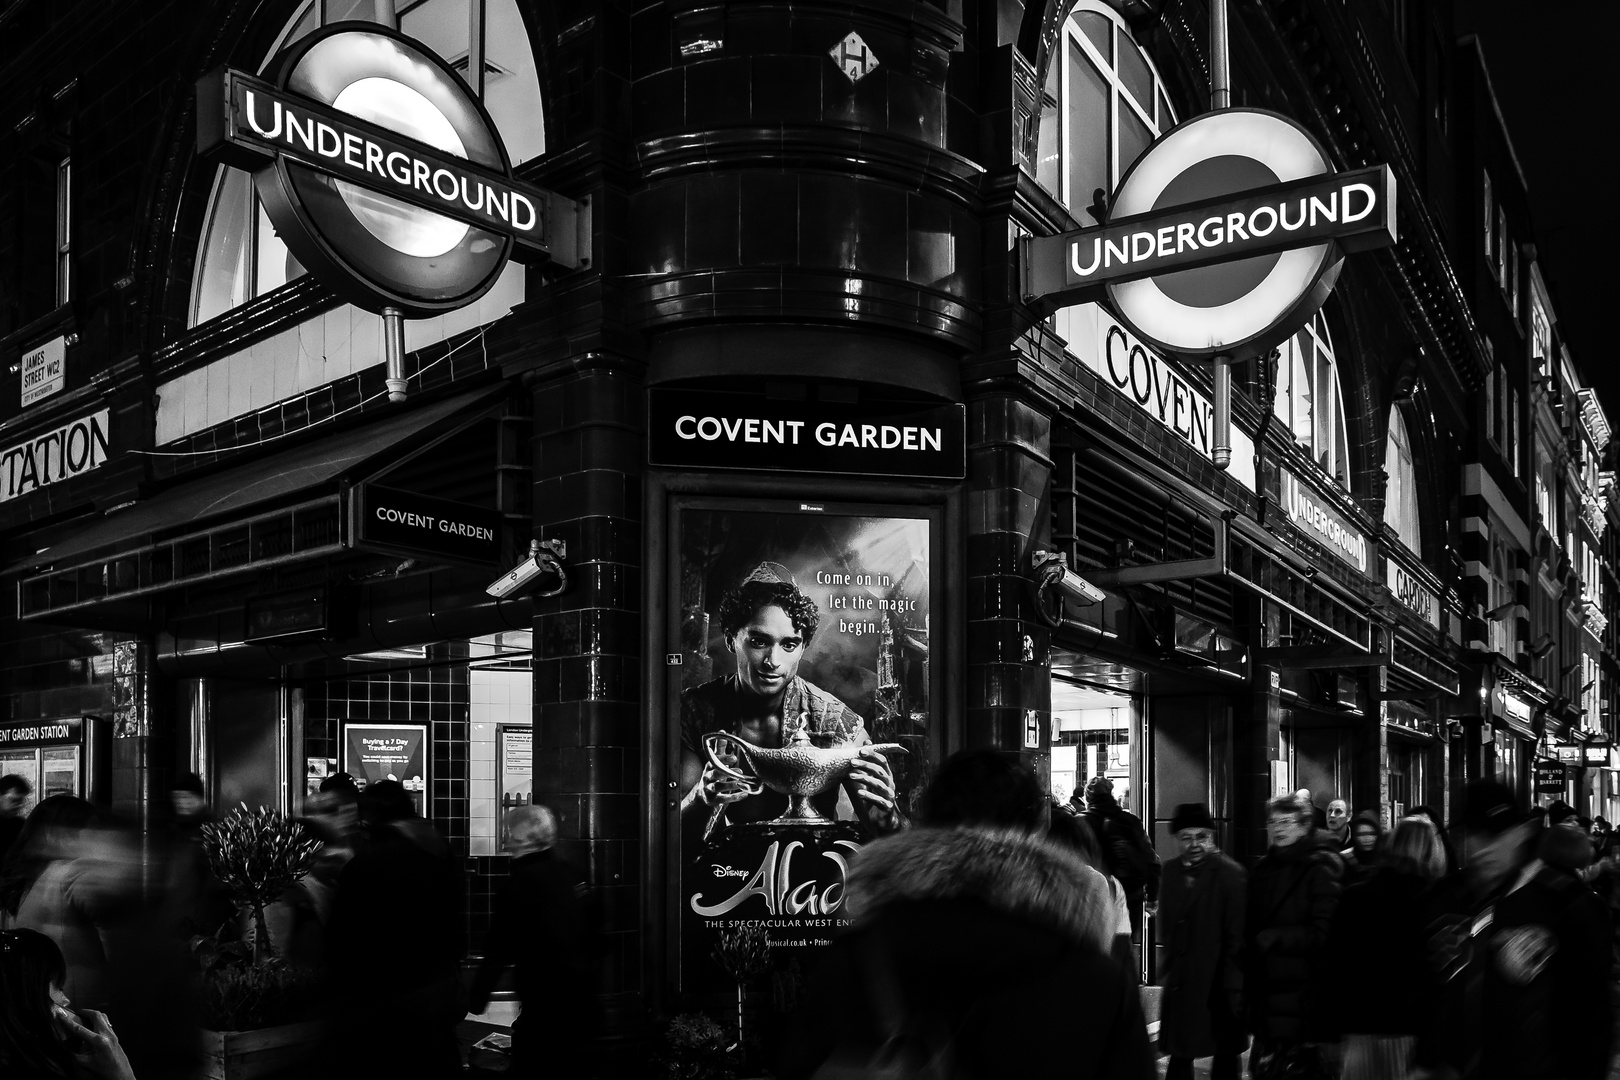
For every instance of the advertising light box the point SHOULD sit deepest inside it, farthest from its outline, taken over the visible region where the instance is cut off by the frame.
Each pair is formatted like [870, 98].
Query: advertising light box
[804, 672]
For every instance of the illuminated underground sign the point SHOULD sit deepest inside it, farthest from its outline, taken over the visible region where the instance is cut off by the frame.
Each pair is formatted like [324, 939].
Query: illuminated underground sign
[382, 173]
[350, 149]
[1219, 230]
[1223, 238]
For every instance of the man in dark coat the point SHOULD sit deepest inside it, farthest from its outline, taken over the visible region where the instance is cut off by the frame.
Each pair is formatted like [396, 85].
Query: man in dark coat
[969, 930]
[1293, 891]
[396, 940]
[541, 926]
[1201, 904]
[1129, 853]
[1522, 949]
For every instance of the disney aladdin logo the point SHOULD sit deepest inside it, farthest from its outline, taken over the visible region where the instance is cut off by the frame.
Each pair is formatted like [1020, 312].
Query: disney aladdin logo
[774, 883]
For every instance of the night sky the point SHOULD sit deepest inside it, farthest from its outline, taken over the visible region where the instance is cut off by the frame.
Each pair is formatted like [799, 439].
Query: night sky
[1552, 66]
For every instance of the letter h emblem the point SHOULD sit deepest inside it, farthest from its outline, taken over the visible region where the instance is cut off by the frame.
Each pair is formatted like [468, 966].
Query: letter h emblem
[853, 57]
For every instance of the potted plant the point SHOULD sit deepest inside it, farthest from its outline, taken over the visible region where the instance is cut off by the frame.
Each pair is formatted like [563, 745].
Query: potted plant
[253, 1002]
[695, 1049]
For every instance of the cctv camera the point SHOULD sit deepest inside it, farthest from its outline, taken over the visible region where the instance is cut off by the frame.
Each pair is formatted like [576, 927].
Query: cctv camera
[543, 558]
[1052, 573]
[1078, 589]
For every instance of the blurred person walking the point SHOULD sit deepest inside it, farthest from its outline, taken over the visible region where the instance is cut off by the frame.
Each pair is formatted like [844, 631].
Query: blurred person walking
[42, 1037]
[1129, 853]
[14, 792]
[541, 925]
[1377, 990]
[1364, 852]
[56, 880]
[1522, 951]
[967, 928]
[1293, 891]
[395, 941]
[1201, 908]
[1069, 829]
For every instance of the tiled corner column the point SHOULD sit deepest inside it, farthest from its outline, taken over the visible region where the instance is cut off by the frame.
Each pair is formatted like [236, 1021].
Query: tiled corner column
[589, 446]
[1008, 515]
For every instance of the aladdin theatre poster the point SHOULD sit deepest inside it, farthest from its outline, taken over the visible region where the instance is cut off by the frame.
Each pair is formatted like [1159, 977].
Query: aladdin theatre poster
[803, 720]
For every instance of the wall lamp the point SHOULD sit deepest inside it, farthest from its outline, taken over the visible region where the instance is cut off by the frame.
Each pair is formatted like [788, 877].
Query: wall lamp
[1542, 646]
[1502, 611]
[1053, 576]
[544, 557]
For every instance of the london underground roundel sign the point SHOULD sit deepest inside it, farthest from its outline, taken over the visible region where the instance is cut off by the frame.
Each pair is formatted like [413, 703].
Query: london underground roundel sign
[1224, 237]
[381, 171]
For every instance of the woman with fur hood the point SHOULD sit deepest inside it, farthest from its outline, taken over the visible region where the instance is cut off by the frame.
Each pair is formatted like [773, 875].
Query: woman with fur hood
[967, 928]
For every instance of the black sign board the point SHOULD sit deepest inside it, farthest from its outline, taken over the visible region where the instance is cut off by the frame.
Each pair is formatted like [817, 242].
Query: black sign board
[1595, 754]
[1347, 207]
[301, 613]
[718, 430]
[68, 732]
[1549, 777]
[260, 119]
[416, 525]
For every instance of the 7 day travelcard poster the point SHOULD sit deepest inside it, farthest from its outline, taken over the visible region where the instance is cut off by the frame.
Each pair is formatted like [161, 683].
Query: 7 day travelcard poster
[804, 718]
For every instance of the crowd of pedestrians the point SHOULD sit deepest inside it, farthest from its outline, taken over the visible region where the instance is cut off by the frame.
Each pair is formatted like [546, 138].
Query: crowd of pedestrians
[102, 927]
[1348, 950]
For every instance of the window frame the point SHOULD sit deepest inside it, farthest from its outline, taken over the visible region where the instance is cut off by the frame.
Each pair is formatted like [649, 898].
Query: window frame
[63, 254]
[1324, 356]
[1406, 523]
[1073, 34]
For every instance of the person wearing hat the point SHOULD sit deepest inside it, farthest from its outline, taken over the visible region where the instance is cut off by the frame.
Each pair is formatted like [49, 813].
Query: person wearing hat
[1201, 899]
[1522, 951]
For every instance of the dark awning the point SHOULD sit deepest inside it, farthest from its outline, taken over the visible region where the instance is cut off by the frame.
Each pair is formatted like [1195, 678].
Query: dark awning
[282, 475]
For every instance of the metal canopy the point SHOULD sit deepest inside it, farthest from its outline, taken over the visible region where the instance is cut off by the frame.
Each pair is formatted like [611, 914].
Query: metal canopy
[287, 507]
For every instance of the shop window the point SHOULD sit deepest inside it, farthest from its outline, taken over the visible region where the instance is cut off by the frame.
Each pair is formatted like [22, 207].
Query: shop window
[1400, 485]
[1408, 778]
[1104, 103]
[240, 256]
[1507, 760]
[1309, 401]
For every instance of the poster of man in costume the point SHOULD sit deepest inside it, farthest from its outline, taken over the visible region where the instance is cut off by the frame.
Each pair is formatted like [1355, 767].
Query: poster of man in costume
[803, 723]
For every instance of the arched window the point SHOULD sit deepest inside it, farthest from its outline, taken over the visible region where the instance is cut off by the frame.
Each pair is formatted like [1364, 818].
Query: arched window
[1400, 485]
[1104, 103]
[240, 256]
[1308, 398]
